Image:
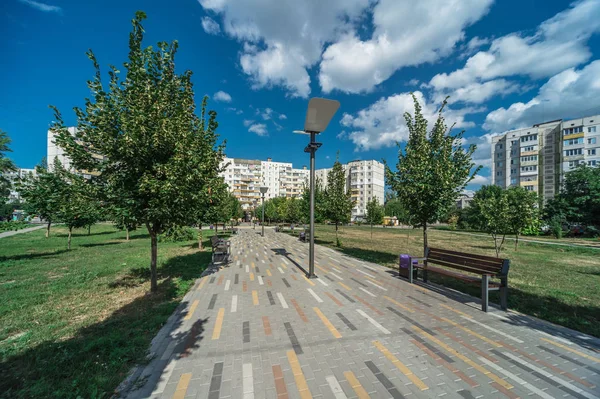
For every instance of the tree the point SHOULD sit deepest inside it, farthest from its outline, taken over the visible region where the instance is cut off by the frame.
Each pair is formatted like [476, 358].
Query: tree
[374, 213]
[579, 199]
[154, 149]
[293, 210]
[393, 207]
[493, 209]
[6, 166]
[338, 200]
[319, 203]
[523, 210]
[432, 170]
[43, 193]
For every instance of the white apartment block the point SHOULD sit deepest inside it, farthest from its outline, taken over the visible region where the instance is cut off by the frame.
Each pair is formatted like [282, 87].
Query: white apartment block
[54, 151]
[14, 178]
[244, 177]
[536, 158]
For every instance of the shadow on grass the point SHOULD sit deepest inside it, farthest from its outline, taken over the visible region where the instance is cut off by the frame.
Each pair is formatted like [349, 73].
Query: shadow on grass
[93, 362]
[33, 255]
[100, 244]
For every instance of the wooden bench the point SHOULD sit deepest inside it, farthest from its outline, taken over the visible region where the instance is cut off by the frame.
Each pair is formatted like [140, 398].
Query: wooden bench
[482, 269]
[220, 248]
[305, 236]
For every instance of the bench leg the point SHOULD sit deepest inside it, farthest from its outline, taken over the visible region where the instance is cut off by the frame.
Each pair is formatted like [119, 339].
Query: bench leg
[504, 294]
[485, 285]
[425, 275]
[410, 270]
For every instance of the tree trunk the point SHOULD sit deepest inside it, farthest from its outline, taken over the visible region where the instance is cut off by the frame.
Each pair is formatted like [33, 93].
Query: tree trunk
[153, 256]
[424, 238]
[127, 233]
[516, 242]
[217, 229]
[69, 239]
[336, 232]
[371, 231]
[48, 230]
[89, 229]
[200, 236]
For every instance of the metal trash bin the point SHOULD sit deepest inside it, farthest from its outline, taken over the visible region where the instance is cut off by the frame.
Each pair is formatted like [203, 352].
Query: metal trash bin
[403, 262]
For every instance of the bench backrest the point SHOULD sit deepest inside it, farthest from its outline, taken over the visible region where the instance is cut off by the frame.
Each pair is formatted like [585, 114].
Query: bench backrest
[478, 264]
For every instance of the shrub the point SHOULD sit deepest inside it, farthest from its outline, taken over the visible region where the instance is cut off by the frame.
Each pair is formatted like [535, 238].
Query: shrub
[452, 222]
[178, 233]
[556, 227]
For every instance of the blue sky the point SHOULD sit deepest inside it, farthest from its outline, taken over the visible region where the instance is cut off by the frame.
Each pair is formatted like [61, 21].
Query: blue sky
[505, 64]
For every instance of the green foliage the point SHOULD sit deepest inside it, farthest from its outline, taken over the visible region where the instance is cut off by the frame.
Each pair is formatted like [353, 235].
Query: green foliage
[492, 205]
[432, 170]
[394, 207]
[292, 210]
[523, 211]
[6, 165]
[13, 225]
[556, 223]
[178, 234]
[320, 204]
[338, 200]
[453, 222]
[579, 199]
[156, 152]
[374, 212]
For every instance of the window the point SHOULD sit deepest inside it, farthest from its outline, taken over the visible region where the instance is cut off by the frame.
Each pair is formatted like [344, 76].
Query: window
[529, 148]
[499, 164]
[529, 188]
[499, 146]
[572, 164]
[592, 163]
[513, 171]
[529, 137]
[574, 141]
[532, 168]
[499, 154]
[592, 140]
[499, 173]
[513, 181]
[529, 158]
[592, 129]
[592, 152]
[514, 142]
[570, 153]
[573, 130]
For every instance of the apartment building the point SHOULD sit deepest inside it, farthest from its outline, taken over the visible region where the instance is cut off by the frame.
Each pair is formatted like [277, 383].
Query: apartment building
[53, 151]
[14, 177]
[244, 177]
[536, 158]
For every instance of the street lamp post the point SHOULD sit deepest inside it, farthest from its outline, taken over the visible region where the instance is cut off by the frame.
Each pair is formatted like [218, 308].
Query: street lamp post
[254, 214]
[318, 115]
[263, 190]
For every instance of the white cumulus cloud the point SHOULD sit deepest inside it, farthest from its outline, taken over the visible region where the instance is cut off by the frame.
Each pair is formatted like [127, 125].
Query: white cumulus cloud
[407, 33]
[259, 128]
[210, 26]
[221, 96]
[382, 124]
[41, 6]
[568, 94]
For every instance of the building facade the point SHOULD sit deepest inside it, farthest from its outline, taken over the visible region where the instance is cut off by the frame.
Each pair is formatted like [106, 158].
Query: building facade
[14, 178]
[244, 178]
[537, 158]
[55, 152]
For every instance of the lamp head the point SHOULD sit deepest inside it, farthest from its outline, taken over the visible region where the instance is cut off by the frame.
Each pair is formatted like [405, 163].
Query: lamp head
[319, 114]
[263, 189]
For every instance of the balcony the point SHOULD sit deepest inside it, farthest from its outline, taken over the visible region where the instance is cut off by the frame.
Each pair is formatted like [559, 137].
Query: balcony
[573, 136]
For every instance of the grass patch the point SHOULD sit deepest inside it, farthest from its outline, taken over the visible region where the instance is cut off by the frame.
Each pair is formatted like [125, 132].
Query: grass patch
[73, 323]
[555, 283]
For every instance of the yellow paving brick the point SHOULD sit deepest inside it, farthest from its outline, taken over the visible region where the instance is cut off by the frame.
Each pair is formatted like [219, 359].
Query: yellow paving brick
[182, 386]
[218, 324]
[191, 310]
[400, 366]
[355, 384]
[202, 282]
[473, 333]
[345, 286]
[399, 304]
[308, 281]
[269, 272]
[298, 375]
[455, 310]
[592, 358]
[251, 276]
[255, 297]
[327, 323]
[465, 359]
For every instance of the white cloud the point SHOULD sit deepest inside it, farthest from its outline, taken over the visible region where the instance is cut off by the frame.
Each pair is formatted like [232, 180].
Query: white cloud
[479, 180]
[478, 93]
[382, 124]
[259, 128]
[266, 114]
[559, 43]
[407, 33]
[568, 94]
[222, 97]
[41, 6]
[483, 152]
[282, 40]
[210, 26]
[413, 82]
[477, 42]
[282, 116]
[237, 111]
[248, 122]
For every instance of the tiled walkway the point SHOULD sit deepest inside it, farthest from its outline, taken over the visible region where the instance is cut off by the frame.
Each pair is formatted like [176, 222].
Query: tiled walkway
[259, 329]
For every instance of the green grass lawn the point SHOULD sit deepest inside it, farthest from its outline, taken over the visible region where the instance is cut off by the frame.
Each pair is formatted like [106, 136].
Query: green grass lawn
[73, 323]
[558, 284]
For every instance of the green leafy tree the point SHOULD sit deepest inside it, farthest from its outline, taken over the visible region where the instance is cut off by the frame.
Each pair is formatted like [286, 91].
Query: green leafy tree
[494, 213]
[43, 193]
[393, 207]
[579, 199]
[432, 170]
[338, 200]
[320, 205]
[523, 210]
[155, 150]
[293, 212]
[6, 166]
[374, 213]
